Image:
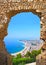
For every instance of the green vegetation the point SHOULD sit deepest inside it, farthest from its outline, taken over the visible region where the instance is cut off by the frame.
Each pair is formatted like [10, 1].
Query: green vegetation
[33, 54]
[28, 58]
[18, 56]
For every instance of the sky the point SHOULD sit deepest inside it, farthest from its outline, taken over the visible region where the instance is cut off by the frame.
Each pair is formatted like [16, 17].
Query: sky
[24, 26]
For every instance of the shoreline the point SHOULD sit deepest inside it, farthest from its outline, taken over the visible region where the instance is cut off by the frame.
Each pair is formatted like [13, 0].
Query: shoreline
[28, 47]
[25, 47]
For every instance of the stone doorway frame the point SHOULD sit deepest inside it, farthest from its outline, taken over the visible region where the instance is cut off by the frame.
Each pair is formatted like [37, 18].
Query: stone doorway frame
[9, 9]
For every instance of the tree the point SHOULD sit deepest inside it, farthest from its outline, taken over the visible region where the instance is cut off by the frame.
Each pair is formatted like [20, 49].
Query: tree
[27, 54]
[18, 56]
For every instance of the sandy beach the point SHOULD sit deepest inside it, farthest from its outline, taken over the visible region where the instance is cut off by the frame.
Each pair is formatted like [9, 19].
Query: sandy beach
[22, 51]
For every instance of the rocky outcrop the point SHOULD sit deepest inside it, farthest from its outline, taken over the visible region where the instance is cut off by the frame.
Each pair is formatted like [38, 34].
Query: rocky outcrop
[41, 59]
[9, 8]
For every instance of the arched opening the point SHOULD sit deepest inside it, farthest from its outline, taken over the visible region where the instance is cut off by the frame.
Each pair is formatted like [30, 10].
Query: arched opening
[23, 27]
[17, 9]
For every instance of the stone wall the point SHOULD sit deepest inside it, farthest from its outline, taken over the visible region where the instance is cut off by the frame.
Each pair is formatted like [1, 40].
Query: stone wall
[9, 8]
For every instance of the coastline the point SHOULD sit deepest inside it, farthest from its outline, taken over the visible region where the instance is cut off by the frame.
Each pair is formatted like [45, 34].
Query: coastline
[28, 47]
[14, 54]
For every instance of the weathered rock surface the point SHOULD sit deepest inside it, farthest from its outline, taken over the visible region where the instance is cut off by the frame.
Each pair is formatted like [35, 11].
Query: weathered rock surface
[9, 8]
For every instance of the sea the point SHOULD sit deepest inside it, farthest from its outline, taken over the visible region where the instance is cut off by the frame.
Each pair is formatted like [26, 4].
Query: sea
[13, 46]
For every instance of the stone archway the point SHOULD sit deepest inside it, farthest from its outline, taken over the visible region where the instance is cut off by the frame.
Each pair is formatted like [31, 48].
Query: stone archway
[10, 8]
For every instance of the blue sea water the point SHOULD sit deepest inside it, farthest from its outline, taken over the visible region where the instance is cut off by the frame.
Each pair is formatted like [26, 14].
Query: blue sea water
[13, 46]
